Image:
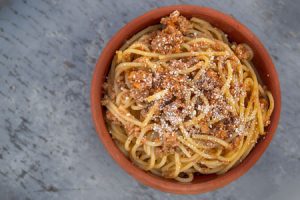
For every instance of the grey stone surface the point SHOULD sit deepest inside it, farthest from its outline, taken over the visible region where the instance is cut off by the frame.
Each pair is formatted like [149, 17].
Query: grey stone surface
[48, 146]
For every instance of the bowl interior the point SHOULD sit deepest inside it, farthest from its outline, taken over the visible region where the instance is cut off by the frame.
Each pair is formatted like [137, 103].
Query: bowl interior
[236, 32]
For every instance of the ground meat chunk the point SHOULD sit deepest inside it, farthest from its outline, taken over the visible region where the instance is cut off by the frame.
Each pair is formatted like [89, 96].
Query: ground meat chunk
[213, 76]
[191, 61]
[176, 85]
[170, 141]
[200, 45]
[209, 81]
[139, 95]
[204, 127]
[141, 83]
[140, 79]
[177, 21]
[222, 134]
[243, 52]
[167, 41]
[217, 46]
[177, 64]
[172, 112]
[220, 130]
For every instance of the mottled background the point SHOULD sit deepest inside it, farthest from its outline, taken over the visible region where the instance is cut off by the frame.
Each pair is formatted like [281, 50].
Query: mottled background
[48, 146]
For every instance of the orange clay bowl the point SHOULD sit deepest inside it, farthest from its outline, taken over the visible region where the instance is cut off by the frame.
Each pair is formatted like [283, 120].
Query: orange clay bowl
[236, 32]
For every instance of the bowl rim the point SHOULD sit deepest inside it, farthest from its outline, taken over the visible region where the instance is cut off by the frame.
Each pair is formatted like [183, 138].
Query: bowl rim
[150, 179]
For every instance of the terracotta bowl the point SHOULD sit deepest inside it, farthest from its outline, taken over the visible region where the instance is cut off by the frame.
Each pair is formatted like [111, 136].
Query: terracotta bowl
[236, 32]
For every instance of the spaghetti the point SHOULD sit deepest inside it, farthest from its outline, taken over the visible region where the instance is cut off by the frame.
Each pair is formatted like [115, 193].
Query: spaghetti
[181, 99]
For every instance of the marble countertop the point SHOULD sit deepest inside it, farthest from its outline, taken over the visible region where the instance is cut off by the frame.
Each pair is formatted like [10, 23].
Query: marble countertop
[48, 145]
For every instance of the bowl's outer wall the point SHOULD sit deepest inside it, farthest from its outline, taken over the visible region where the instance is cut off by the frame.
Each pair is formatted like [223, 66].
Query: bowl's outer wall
[236, 32]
